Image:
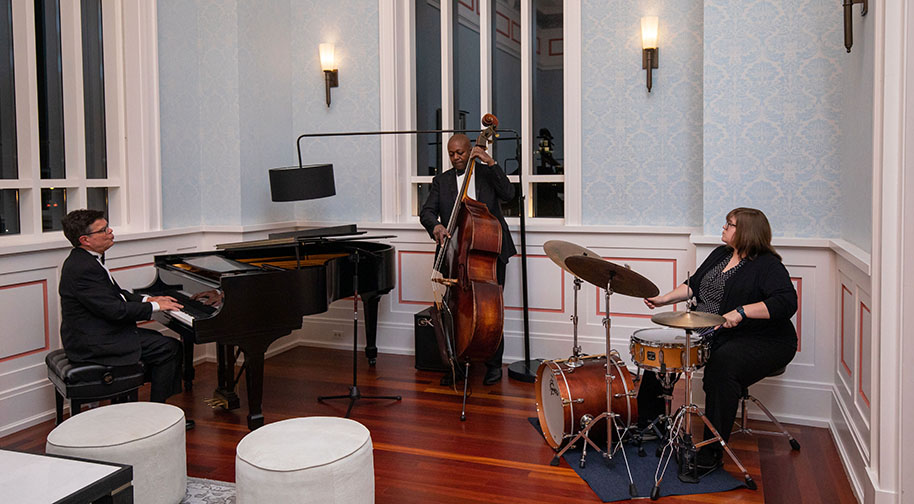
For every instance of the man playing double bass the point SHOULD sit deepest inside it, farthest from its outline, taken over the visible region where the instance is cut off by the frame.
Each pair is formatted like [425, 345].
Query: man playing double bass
[489, 185]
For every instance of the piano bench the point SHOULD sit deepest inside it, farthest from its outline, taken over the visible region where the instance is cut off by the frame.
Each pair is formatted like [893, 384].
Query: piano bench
[85, 382]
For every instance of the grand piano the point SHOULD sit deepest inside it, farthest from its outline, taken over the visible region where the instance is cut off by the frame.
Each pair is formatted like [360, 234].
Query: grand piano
[249, 294]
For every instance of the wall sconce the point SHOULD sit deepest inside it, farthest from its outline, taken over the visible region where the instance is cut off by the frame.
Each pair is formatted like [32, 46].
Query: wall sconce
[848, 21]
[649, 46]
[328, 65]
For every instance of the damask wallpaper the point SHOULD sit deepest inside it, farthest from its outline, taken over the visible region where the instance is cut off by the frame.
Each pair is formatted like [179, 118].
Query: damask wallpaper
[773, 108]
[642, 152]
[238, 82]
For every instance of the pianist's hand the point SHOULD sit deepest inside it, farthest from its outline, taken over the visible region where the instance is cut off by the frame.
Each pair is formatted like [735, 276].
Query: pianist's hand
[212, 297]
[167, 303]
[440, 233]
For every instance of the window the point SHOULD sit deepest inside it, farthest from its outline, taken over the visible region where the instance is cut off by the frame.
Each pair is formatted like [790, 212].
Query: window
[64, 136]
[480, 71]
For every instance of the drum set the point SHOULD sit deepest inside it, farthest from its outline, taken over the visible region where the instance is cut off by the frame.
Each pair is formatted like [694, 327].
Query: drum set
[573, 395]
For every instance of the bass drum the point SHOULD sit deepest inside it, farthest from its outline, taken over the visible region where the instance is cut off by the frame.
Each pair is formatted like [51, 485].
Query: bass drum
[564, 395]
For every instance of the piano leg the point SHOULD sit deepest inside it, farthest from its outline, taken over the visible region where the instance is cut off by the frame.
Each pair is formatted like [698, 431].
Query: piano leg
[370, 306]
[225, 376]
[188, 342]
[253, 375]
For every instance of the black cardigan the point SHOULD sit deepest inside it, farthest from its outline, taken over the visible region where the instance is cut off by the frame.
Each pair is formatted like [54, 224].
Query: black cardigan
[761, 279]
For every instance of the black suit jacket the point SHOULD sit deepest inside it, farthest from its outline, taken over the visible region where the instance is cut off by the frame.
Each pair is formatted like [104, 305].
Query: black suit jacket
[761, 279]
[492, 187]
[97, 325]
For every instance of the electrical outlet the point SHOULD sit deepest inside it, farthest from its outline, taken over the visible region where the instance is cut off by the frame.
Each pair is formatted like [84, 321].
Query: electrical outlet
[337, 334]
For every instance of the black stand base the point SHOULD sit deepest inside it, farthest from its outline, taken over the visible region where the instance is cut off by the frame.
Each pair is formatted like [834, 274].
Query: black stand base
[522, 372]
[353, 396]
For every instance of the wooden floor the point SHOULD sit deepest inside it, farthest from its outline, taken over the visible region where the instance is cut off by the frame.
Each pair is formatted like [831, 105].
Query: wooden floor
[424, 454]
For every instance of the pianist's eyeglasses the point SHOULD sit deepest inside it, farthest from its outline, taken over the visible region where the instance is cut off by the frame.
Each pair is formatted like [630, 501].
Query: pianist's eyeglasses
[105, 229]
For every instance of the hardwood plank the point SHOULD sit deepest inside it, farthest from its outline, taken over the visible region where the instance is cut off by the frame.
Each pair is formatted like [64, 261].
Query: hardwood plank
[424, 453]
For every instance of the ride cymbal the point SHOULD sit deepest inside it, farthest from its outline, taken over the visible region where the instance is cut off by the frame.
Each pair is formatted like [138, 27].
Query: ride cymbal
[559, 250]
[688, 319]
[600, 272]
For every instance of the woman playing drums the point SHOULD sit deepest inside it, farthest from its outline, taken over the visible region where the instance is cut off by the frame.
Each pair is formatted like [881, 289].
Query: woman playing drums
[745, 282]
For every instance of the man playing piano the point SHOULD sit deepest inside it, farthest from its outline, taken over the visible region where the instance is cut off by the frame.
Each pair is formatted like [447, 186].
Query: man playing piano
[98, 318]
[490, 186]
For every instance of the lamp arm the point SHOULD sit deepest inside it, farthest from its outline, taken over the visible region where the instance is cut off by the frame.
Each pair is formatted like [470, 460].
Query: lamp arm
[394, 132]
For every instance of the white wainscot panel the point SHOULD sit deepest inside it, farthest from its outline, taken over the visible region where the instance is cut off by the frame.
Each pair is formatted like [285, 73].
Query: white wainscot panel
[25, 328]
[414, 269]
[661, 271]
[545, 285]
[864, 369]
[848, 330]
[133, 276]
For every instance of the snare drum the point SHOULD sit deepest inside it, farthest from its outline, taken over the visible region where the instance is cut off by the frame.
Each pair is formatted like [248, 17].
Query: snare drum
[654, 347]
[565, 394]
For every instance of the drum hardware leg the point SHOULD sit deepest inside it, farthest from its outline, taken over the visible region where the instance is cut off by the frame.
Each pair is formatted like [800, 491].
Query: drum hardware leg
[466, 380]
[575, 359]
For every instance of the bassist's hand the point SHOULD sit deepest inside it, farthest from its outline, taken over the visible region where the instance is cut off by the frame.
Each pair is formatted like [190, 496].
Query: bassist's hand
[441, 234]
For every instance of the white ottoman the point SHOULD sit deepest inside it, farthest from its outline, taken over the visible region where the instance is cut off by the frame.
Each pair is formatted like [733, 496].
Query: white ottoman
[148, 436]
[303, 460]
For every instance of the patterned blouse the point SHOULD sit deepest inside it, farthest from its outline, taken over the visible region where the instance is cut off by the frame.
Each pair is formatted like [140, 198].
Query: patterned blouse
[711, 289]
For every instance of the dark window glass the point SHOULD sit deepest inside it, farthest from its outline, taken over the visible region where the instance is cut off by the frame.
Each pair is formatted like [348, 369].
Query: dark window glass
[9, 157]
[466, 68]
[53, 208]
[422, 191]
[94, 89]
[50, 89]
[548, 98]
[512, 208]
[9, 211]
[97, 199]
[428, 88]
[549, 199]
[506, 80]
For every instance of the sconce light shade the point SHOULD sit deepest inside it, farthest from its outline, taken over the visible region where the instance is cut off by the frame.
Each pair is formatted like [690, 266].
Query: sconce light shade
[649, 32]
[327, 60]
[649, 50]
[296, 183]
[328, 66]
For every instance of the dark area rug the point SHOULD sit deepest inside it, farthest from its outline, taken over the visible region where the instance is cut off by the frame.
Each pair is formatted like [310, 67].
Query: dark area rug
[609, 479]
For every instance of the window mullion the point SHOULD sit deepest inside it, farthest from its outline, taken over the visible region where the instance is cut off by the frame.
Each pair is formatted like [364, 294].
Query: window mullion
[486, 43]
[526, 105]
[447, 72]
[73, 107]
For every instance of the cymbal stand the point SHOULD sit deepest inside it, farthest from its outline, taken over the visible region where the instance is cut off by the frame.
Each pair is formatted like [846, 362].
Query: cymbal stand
[612, 419]
[681, 436]
[575, 359]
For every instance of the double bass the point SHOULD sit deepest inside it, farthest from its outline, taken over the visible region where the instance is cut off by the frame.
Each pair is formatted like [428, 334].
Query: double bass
[469, 308]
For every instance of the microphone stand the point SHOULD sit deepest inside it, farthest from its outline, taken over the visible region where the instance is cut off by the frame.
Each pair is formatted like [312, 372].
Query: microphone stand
[524, 370]
[354, 393]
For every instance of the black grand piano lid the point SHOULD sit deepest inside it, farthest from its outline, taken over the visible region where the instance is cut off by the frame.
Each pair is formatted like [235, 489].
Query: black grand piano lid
[218, 264]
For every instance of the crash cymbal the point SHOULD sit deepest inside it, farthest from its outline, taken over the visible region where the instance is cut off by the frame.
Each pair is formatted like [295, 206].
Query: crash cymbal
[688, 319]
[559, 250]
[599, 272]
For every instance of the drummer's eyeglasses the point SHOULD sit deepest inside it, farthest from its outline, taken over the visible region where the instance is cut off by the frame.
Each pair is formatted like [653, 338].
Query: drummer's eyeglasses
[729, 225]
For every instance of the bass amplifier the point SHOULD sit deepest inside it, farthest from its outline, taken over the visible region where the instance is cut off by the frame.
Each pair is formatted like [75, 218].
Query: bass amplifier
[428, 358]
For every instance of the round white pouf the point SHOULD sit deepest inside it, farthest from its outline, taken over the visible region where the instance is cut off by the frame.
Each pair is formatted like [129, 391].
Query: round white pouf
[148, 436]
[302, 460]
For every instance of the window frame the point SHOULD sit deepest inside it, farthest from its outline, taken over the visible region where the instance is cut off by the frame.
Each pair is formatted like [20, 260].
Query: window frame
[131, 115]
[398, 108]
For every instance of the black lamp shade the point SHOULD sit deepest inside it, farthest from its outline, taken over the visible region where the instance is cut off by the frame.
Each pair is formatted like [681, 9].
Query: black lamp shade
[294, 183]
